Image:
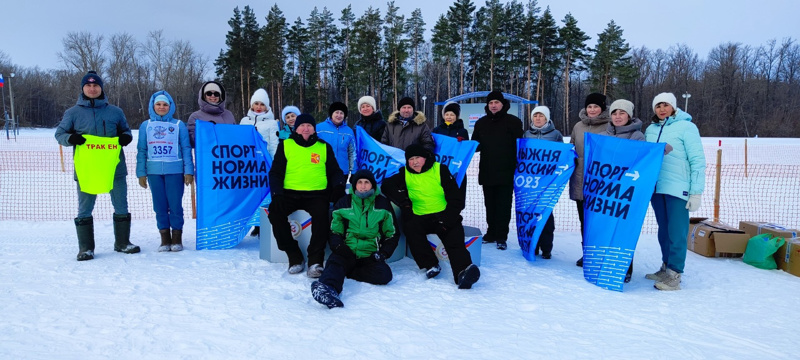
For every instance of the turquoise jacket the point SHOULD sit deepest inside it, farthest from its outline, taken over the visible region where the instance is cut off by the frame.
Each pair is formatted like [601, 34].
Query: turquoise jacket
[683, 171]
[146, 167]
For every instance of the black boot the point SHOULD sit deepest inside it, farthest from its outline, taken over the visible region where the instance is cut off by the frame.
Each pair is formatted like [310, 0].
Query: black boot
[166, 240]
[85, 229]
[122, 235]
[177, 241]
[629, 274]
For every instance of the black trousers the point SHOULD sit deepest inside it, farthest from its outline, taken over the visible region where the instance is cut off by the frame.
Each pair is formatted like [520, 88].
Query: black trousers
[365, 270]
[546, 238]
[279, 211]
[417, 228]
[498, 211]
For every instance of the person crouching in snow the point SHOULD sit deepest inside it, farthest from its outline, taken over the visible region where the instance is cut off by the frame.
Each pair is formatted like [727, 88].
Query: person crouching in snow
[542, 128]
[431, 203]
[362, 237]
[165, 161]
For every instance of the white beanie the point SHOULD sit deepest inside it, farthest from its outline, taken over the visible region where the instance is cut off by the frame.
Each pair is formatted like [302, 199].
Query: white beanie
[623, 105]
[665, 97]
[367, 100]
[260, 95]
[541, 109]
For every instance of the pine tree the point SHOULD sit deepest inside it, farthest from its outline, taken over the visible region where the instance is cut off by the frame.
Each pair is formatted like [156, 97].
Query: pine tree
[460, 16]
[272, 56]
[415, 28]
[444, 38]
[548, 46]
[296, 39]
[229, 62]
[611, 62]
[574, 55]
[396, 48]
[344, 40]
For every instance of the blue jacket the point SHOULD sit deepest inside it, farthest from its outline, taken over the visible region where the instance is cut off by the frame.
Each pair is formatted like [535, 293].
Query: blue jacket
[146, 167]
[343, 141]
[94, 117]
[683, 171]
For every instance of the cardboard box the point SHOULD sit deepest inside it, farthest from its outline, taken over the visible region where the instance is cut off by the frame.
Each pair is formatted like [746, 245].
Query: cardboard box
[790, 256]
[715, 239]
[754, 228]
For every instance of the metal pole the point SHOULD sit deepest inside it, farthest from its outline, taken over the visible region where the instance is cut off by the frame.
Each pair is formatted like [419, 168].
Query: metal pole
[13, 116]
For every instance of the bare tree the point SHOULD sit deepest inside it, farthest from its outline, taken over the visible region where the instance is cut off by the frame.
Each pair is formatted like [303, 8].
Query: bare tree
[83, 51]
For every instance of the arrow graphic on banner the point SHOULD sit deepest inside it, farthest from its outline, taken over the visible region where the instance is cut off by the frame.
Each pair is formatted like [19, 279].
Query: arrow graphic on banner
[634, 176]
[565, 167]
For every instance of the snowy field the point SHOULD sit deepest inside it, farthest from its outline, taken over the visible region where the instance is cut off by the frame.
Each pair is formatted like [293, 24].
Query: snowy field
[231, 305]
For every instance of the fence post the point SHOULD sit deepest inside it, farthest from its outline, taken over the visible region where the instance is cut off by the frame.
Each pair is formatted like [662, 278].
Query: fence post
[745, 157]
[717, 185]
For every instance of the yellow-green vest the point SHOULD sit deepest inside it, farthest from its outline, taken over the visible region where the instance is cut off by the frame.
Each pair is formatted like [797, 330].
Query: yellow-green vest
[425, 191]
[305, 166]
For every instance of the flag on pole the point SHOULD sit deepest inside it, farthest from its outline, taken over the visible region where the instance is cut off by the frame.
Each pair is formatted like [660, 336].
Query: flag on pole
[1, 80]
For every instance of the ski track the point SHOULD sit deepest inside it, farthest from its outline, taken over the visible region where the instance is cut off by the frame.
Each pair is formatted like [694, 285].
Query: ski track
[231, 304]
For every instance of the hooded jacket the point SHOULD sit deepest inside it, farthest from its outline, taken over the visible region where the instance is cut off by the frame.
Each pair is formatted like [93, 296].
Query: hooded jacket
[146, 167]
[683, 171]
[94, 117]
[401, 134]
[453, 130]
[209, 112]
[547, 132]
[342, 140]
[632, 131]
[594, 125]
[364, 225]
[373, 125]
[266, 125]
[497, 136]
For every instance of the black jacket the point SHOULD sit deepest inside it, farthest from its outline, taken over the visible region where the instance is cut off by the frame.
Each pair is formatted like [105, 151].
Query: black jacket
[277, 173]
[497, 135]
[373, 124]
[453, 130]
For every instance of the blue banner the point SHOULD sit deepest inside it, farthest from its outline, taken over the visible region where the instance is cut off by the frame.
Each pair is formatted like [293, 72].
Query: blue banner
[618, 180]
[382, 160]
[543, 170]
[232, 181]
[454, 154]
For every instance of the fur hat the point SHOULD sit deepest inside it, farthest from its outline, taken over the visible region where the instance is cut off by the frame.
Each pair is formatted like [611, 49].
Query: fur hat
[623, 105]
[452, 106]
[495, 95]
[406, 101]
[260, 95]
[417, 150]
[665, 97]
[597, 99]
[337, 106]
[305, 119]
[289, 109]
[544, 110]
[91, 77]
[367, 100]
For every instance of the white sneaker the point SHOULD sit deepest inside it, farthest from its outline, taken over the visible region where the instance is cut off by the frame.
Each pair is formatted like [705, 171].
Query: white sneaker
[314, 271]
[670, 282]
[658, 274]
[297, 268]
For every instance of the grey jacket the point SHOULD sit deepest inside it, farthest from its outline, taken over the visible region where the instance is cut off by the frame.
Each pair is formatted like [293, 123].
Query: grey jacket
[547, 132]
[595, 125]
[402, 134]
[632, 131]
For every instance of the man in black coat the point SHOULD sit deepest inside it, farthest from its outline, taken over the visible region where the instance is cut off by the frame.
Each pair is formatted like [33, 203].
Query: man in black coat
[497, 133]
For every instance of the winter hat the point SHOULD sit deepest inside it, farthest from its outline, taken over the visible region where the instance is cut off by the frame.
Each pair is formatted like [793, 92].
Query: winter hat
[305, 119]
[91, 77]
[417, 150]
[213, 86]
[495, 95]
[260, 95]
[161, 97]
[597, 99]
[289, 109]
[363, 174]
[623, 105]
[665, 97]
[368, 100]
[406, 101]
[337, 106]
[452, 106]
[544, 110]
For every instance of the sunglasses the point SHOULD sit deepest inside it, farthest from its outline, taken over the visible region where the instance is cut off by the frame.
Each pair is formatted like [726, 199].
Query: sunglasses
[213, 93]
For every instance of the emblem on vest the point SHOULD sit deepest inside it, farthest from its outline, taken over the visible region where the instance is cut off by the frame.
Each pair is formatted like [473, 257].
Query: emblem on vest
[159, 132]
[171, 129]
[315, 158]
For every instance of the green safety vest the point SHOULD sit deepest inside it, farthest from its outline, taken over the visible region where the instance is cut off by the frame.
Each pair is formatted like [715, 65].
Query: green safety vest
[425, 191]
[305, 166]
[96, 162]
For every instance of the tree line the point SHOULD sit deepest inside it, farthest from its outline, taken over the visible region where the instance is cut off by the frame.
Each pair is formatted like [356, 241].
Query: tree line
[516, 47]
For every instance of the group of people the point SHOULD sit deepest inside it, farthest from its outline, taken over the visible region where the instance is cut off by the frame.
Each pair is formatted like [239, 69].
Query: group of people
[312, 163]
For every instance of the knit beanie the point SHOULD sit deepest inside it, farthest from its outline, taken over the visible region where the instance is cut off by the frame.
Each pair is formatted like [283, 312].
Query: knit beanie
[91, 77]
[305, 119]
[368, 100]
[260, 95]
[623, 105]
[544, 110]
[495, 95]
[416, 150]
[665, 97]
[597, 99]
[337, 106]
[161, 97]
[406, 101]
[289, 109]
[454, 107]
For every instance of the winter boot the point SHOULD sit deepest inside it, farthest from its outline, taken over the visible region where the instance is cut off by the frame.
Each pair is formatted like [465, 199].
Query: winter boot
[314, 271]
[325, 295]
[502, 245]
[85, 229]
[177, 241]
[256, 231]
[671, 281]
[658, 274]
[297, 268]
[433, 271]
[629, 274]
[487, 240]
[165, 240]
[122, 235]
[468, 276]
[579, 263]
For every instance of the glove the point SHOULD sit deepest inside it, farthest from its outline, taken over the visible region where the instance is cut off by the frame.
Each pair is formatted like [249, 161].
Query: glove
[125, 139]
[460, 138]
[143, 181]
[213, 122]
[694, 202]
[667, 149]
[378, 256]
[187, 179]
[76, 139]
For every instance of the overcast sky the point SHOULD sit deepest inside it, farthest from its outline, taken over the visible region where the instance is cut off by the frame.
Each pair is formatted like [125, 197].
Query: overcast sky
[32, 30]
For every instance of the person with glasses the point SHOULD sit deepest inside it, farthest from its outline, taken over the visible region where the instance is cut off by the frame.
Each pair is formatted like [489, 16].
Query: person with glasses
[212, 107]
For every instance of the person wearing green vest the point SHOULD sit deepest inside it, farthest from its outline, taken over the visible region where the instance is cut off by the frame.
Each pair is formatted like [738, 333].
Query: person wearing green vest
[93, 115]
[431, 203]
[303, 174]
